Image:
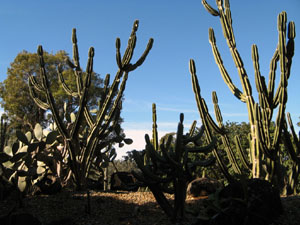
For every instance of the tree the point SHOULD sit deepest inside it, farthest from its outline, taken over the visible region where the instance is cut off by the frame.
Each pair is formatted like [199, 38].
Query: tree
[21, 110]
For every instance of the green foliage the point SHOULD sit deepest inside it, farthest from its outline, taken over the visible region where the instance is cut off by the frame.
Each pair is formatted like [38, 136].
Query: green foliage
[22, 112]
[31, 157]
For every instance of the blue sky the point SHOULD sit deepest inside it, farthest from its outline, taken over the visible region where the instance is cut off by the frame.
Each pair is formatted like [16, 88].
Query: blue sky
[180, 32]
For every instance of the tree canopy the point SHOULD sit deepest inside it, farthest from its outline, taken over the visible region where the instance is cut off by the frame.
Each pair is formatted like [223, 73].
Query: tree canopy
[18, 105]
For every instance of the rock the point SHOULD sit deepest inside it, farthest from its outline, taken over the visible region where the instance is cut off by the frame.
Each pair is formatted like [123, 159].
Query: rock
[253, 202]
[123, 181]
[202, 187]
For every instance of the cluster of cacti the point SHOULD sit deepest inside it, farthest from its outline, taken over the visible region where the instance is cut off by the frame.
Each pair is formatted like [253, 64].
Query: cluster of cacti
[171, 164]
[31, 157]
[264, 145]
[97, 126]
[211, 127]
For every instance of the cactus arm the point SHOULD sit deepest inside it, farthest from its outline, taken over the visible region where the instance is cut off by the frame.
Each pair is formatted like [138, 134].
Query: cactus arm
[241, 153]
[64, 85]
[294, 152]
[193, 129]
[83, 97]
[204, 163]
[116, 102]
[196, 137]
[50, 100]
[210, 121]
[35, 84]
[259, 80]
[130, 46]
[143, 57]
[153, 152]
[224, 137]
[210, 9]
[37, 101]
[104, 93]
[296, 140]
[290, 46]
[146, 170]
[154, 127]
[272, 73]
[78, 76]
[170, 159]
[75, 50]
[118, 53]
[179, 138]
[260, 135]
[283, 77]
[222, 69]
[289, 53]
[203, 149]
[200, 102]
[203, 114]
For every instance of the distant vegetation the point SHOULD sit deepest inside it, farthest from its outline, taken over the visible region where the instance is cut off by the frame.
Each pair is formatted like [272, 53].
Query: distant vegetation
[62, 123]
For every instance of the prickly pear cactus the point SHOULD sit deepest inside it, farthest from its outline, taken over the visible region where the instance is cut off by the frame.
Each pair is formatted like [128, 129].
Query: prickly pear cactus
[30, 157]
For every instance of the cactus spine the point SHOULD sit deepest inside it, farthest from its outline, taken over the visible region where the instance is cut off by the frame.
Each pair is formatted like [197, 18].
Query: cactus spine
[260, 114]
[100, 126]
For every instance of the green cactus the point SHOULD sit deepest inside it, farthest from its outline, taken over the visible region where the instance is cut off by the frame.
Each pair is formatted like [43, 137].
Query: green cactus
[207, 121]
[292, 143]
[262, 143]
[30, 157]
[171, 165]
[99, 126]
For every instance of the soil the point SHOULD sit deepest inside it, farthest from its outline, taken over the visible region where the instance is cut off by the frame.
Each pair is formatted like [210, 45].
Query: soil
[113, 208]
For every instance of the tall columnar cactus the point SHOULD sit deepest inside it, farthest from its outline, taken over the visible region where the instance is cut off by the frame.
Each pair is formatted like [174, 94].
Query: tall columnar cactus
[171, 164]
[100, 125]
[208, 122]
[260, 113]
[293, 147]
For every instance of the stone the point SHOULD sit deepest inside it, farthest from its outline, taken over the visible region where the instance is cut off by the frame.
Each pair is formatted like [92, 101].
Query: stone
[253, 201]
[202, 187]
[124, 181]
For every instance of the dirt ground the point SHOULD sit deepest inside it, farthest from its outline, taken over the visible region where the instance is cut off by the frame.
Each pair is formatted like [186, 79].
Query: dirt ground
[113, 208]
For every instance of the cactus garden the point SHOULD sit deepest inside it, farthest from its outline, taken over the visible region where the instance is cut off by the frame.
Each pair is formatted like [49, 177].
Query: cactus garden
[63, 129]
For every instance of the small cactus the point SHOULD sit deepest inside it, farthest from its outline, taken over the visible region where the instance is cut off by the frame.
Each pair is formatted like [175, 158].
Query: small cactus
[167, 164]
